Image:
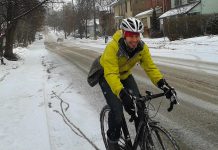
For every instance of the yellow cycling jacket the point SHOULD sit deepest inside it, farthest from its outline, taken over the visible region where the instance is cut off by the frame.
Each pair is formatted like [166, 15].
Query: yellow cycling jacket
[118, 67]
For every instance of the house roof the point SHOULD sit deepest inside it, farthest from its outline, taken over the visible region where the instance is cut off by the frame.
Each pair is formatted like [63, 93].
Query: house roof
[147, 12]
[180, 10]
[116, 2]
[104, 5]
[144, 13]
[118, 17]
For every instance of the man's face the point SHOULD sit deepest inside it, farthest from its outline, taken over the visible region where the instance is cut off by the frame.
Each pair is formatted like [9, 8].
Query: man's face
[132, 41]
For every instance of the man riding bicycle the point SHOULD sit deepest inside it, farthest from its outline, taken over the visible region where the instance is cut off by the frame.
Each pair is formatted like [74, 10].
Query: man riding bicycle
[113, 72]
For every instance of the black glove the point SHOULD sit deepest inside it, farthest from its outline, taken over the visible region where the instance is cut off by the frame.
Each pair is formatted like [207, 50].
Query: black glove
[168, 90]
[127, 101]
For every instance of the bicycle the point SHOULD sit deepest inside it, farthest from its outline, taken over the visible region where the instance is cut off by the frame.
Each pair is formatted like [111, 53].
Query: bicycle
[149, 135]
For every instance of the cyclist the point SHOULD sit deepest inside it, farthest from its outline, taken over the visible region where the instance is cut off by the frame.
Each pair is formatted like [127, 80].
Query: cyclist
[116, 82]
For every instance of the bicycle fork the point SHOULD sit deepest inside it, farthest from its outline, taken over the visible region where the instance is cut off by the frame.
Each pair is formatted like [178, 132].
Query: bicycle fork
[126, 134]
[148, 138]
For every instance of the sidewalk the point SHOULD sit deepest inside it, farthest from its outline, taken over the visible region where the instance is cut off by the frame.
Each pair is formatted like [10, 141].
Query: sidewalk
[23, 123]
[30, 115]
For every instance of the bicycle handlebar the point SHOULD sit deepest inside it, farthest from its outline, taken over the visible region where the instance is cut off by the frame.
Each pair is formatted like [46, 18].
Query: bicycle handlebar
[150, 96]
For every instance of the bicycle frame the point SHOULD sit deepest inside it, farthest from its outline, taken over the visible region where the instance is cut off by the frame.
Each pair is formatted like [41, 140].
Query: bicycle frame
[143, 125]
[144, 121]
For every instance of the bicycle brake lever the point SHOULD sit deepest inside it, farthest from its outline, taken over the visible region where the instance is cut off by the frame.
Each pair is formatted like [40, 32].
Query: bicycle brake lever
[171, 107]
[172, 102]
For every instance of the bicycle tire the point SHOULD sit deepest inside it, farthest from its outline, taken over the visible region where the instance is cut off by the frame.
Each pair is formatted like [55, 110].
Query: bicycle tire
[122, 142]
[104, 110]
[161, 139]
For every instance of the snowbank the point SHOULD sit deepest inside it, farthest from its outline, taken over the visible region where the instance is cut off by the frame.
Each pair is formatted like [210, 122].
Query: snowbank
[31, 115]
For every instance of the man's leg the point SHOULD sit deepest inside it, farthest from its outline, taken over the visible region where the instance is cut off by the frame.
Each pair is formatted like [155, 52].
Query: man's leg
[130, 84]
[115, 115]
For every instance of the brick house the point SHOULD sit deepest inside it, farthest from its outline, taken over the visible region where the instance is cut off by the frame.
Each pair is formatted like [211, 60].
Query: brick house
[141, 9]
[122, 9]
[146, 8]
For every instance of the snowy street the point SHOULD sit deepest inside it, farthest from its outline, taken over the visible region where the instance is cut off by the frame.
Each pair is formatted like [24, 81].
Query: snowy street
[194, 80]
[157, 68]
[50, 106]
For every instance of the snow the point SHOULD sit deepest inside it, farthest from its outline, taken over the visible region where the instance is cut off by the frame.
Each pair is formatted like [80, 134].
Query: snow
[30, 113]
[118, 17]
[91, 22]
[178, 11]
[147, 12]
[42, 106]
[114, 3]
[203, 49]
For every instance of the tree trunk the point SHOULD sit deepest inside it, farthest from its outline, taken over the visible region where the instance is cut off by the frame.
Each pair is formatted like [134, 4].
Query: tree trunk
[9, 43]
[1, 47]
[11, 27]
[86, 30]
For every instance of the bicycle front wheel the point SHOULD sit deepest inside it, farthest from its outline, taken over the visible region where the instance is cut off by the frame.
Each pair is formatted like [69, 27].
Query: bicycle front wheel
[160, 139]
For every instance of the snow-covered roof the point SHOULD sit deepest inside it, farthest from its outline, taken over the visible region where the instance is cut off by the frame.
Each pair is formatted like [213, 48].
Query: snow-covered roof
[147, 12]
[142, 14]
[118, 17]
[91, 22]
[103, 6]
[179, 11]
[114, 3]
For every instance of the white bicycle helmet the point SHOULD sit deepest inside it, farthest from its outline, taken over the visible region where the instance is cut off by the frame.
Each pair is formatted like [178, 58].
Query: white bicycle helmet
[132, 25]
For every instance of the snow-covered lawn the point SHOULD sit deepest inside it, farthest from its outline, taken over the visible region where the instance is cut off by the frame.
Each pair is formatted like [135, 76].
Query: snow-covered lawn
[40, 108]
[203, 48]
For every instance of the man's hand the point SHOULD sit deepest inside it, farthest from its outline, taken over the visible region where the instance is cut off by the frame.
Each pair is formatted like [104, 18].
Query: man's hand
[168, 90]
[127, 101]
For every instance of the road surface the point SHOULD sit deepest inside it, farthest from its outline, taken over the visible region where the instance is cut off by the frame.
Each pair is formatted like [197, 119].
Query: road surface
[193, 123]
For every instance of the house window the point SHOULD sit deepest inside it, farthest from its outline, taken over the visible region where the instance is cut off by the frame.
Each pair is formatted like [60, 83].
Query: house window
[178, 3]
[158, 3]
[191, 1]
[194, 14]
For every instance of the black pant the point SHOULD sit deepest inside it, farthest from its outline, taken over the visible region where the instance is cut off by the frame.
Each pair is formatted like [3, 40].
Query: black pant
[116, 113]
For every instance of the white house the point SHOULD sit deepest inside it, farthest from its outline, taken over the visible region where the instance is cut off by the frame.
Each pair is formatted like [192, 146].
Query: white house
[191, 7]
[145, 16]
[90, 26]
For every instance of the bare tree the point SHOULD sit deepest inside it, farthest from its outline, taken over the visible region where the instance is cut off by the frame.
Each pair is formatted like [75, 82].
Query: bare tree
[11, 12]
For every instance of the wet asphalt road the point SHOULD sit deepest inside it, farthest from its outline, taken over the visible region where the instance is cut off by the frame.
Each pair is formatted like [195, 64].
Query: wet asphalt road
[193, 123]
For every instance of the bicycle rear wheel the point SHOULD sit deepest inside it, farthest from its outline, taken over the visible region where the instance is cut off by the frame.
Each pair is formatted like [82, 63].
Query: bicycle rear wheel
[104, 124]
[160, 139]
[104, 127]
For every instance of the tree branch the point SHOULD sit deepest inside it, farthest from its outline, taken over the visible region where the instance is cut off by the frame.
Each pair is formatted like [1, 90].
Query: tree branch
[22, 15]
